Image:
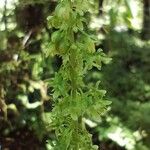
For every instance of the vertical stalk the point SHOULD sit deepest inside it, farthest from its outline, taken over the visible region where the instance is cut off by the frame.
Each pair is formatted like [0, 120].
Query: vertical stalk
[77, 50]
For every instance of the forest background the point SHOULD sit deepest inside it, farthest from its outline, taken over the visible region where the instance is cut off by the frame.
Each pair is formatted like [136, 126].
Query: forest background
[122, 29]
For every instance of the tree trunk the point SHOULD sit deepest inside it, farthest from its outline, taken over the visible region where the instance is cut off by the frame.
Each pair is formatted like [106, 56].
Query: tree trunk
[146, 20]
[101, 6]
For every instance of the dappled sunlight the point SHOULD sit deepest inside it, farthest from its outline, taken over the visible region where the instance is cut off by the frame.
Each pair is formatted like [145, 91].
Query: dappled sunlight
[74, 75]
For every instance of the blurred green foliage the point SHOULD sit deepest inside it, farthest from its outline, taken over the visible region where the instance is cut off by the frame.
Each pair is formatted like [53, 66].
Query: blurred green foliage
[127, 81]
[26, 98]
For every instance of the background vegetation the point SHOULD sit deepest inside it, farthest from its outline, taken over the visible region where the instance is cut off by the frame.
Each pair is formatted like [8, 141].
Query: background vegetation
[123, 31]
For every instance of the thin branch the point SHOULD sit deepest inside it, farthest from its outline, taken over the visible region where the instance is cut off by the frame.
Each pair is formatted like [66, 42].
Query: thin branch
[5, 15]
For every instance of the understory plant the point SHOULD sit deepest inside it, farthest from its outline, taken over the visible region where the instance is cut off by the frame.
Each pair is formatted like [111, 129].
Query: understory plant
[73, 99]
